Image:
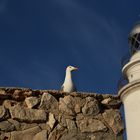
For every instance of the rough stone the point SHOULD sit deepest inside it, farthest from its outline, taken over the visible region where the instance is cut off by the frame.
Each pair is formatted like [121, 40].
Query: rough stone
[41, 135]
[88, 136]
[2, 112]
[15, 123]
[19, 94]
[31, 101]
[6, 126]
[80, 117]
[43, 126]
[5, 136]
[71, 125]
[24, 126]
[91, 107]
[49, 103]
[113, 118]
[78, 104]
[3, 95]
[77, 108]
[57, 133]
[74, 136]
[26, 134]
[111, 103]
[101, 136]
[46, 127]
[51, 120]
[9, 103]
[27, 115]
[62, 120]
[2, 92]
[66, 105]
[91, 125]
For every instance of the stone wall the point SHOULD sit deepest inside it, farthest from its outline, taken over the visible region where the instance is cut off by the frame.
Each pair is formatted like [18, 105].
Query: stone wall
[27, 114]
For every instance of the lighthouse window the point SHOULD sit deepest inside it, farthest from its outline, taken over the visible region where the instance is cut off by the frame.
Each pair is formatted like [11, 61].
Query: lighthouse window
[132, 41]
[136, 44]
[135, 35]
[138, 37]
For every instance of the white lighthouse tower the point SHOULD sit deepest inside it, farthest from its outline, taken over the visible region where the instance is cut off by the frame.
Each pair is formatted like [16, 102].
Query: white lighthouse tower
[130, 93]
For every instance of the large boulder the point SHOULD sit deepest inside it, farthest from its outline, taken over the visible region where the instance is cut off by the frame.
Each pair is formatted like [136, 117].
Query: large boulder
[91, 107]
[15, 123]
[41, 135]
[113, 118]
[6, 126]
[49, 103]
[26, 134]
[66, 106]
[24, 126]
[71, 125]
[57, 133]
[31, 102]
[28, 115]
[90, 125]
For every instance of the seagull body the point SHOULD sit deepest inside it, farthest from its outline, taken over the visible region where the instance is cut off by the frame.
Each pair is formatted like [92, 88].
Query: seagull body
[68, 85]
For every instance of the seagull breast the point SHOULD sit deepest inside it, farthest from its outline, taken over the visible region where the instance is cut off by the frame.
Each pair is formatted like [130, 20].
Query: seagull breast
[68, 85]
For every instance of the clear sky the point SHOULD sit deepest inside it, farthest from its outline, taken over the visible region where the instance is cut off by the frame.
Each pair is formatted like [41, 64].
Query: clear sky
[40, 38]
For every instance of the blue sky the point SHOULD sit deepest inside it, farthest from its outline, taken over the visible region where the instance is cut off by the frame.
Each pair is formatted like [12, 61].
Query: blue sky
[39, 39]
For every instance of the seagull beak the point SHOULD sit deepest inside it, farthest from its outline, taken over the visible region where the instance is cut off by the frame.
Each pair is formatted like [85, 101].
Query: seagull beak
[75, 68]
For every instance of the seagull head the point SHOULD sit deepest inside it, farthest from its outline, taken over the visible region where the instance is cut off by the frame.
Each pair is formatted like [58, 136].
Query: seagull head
[71, 68]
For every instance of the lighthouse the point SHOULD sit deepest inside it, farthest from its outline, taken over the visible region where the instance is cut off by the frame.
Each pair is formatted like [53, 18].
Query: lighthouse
[130, 92]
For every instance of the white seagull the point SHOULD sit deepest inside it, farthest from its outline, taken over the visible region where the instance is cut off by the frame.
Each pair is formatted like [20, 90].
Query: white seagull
[68, 85]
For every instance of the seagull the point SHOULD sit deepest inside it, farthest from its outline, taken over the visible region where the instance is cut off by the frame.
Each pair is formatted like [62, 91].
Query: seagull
[68, 85]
